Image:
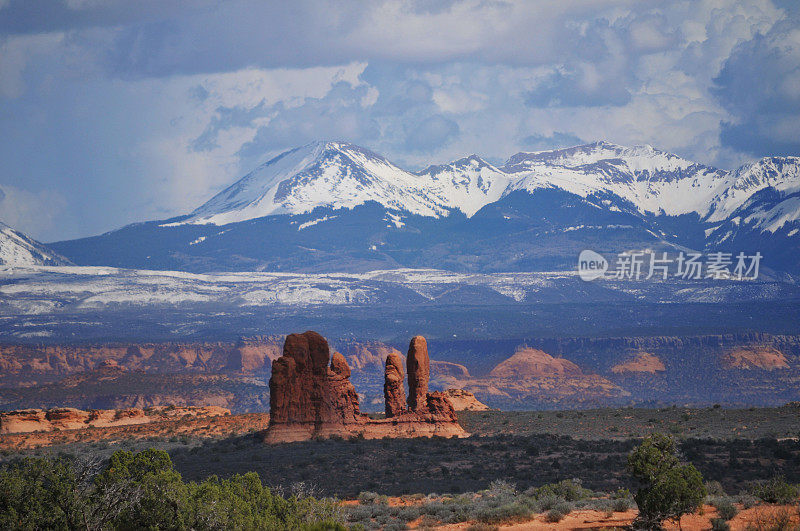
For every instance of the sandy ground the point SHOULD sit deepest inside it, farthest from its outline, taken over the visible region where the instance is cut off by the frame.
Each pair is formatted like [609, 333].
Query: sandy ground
[760, 518]
[757, 518]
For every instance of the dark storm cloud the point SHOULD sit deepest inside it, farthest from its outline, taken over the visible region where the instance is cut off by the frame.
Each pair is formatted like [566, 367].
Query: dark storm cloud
[759, 84]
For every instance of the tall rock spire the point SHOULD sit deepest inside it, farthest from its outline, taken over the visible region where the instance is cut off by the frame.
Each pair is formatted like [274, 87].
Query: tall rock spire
[418, 367]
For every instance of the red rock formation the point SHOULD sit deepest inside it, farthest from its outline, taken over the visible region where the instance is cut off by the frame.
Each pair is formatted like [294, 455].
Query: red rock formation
[448, 369]
[750, 357]
[531, 376]
[369, 355]
[640, 363]
[418, 366]
[308, 389]
[311, 396]
[529, 362]
[440, 407]
[393, 392]
[44, 363]
[252, 355]
[67, 418]
[464, 400]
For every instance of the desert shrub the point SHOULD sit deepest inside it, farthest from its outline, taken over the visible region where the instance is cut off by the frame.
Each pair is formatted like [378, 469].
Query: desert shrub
[368, 498]
[549, 502]
[780, 520]
[378, 510]
[598, 504]
[568, 489]
[775, 490]
[408, 514]
[500, 487]
[719, 524]
[553, 516]
[358, 513]
[620, 505]
[621, 493]
[714, 488]
[747, 500]
[725, 507]
[668, 489]
[504, 513]
[563, 507]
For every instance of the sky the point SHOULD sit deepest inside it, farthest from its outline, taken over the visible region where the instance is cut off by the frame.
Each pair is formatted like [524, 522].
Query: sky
[113, 112]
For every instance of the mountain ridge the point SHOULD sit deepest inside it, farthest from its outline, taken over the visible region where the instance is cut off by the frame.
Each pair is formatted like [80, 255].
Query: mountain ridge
[334, 206]
[340, 174]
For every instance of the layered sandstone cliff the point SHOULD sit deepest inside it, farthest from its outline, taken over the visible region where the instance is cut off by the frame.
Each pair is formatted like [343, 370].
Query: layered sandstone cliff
[67, 418]
[37, 364]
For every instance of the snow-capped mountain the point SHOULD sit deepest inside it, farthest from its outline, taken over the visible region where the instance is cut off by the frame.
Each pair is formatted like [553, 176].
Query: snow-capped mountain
[651, 181]
[18, 250]
[640, 178]
[781, 174]
[467, 184]
[332, 174]
[334, 206]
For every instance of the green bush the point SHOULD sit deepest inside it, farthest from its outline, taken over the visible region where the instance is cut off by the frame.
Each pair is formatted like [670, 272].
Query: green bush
[668, 489]
[142, 490]
[776, 490]
[725, 507]
[620, 505]
[568, 489]
[549, 502]
[747, 500]
[719, 524]
[553, 516]
[714, 488]
[563, 507]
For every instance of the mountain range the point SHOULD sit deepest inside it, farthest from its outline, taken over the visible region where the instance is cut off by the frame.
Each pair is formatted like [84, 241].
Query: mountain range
[334, 206]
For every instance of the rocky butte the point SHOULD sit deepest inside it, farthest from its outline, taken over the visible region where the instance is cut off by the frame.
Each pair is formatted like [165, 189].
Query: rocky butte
[311, 396]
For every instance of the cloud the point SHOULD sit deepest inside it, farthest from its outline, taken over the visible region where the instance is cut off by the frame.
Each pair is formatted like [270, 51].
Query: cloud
[556, 139]
[583, 85]
[759, 85]
[142, 110]
[431, 134]
[154, 38]
[36, 213]
[336, 116]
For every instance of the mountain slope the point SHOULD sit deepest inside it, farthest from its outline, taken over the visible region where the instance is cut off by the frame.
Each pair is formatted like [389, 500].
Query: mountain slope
[329, 174]
[18, 250]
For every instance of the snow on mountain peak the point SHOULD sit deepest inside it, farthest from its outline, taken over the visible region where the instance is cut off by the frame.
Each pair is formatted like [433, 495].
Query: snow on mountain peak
[653, 181]
[779, 173]
[467, 184]
[343, 175]
[334, 174]
[18, 250]
[638, 159]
